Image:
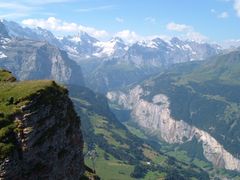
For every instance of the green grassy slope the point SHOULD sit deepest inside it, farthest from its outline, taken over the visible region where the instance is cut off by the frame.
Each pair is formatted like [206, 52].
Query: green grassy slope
[13, 96]
[190, 153]
[206, 95]
[6, 76]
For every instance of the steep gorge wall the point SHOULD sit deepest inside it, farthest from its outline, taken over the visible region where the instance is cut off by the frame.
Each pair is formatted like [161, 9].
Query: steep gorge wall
[156, 117]
[32, 60]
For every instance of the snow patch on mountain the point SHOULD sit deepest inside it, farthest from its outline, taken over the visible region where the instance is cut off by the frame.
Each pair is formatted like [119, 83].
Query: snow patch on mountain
[152, 52]
[75, 39]
[115, 46]
[2, 55]
[5, 41]
[148, 44]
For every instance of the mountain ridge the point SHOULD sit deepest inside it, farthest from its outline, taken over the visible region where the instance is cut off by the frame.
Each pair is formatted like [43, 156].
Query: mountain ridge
[109, 142]
[34, 59]
[198, 94]
[77, 42]
[100, 60]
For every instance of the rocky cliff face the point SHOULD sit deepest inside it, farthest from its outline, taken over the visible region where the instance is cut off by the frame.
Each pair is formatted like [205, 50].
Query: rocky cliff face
[155, 116]
[38, 60]
[106, 136]
[3, 31]
[42, 130]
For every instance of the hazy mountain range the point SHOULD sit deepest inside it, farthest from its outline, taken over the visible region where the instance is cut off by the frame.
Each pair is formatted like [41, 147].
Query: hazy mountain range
[113, 64]
[83, 46]
[166, 97]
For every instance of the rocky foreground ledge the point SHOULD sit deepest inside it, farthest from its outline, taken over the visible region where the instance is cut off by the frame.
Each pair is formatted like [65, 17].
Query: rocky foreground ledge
[40, 133]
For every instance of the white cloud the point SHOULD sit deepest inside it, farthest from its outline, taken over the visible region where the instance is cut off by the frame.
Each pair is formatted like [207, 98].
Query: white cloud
[163, 37]
[106, 7]
[150, 20]
[119, 20]
[129, 36]
[196, 36]
[231, 43]
[14, 10]
[213, 11]
[13, 6]
[24, 8]
[44, 2]
[187, 32]
[223, 15]
[172, 26]
[59, 25]
[237, 6]
[12, 15]
[29, 5]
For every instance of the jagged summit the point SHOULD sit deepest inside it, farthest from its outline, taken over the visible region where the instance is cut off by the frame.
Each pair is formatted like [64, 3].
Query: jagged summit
[117, 39]
[175, 40]
[83, 46]
[81, 37]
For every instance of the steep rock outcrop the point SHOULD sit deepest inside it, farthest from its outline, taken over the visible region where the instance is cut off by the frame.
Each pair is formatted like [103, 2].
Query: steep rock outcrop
[3, 31]
[40, 133]
[155, 116]
[39, 60]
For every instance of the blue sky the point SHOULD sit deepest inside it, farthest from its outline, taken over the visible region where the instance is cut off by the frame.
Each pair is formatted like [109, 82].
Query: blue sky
[203, 20]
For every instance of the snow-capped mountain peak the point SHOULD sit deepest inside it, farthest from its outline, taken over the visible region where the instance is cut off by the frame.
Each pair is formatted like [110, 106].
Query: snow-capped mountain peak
[114, 47]
[80, 38]
[117, 40]
[153, 43]
[45, 33]
[83, 46]
[75, 39]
